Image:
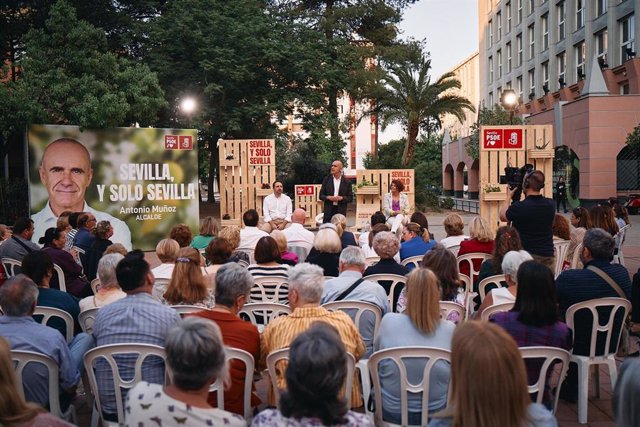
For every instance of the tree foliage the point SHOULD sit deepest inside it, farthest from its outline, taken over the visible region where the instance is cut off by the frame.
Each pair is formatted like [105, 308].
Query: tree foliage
[411, 99]
[633, 139]
[495, 115]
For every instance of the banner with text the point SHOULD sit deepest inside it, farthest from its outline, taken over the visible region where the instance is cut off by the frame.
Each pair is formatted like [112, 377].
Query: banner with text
[143, 181]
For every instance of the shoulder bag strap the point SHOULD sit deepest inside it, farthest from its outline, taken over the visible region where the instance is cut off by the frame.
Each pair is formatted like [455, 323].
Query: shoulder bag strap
[608, 279]
[349, 289]
[29, 250]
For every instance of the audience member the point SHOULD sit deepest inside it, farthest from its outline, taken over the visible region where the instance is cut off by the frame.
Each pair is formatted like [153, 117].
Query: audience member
[167, 252]
[232, 234]
[250, 234]
[420, 218]
[75, 281]
[18, 297]
[276, 209]
[480, 241]
[84, 237]
[532, 217]
[454, 227]
[137, 318]
[560, 228]
[267, 257]
[188, 285]
[591, 282]
[326, 250]
[386, 245]
[195, 360]
[351, 286]
[534, 318]
[395, 205]
[182, 234]
[14, 410]
[108, 289]
[306, 283]
[510, 265]
[116, 248]
[217, 253]
[581, 222]
[296, 234]
[5, 233]
[19, 244]
[233, 284]
[286, 257]
[414, 243]
[421, 326]
[315, 374]
[208, 231]
[63, 222]
[73, 223]
[38, 267]
[489, 382]
[377, 218]
[367, 248]
[103, 231]
[625, 395]
[346, 237]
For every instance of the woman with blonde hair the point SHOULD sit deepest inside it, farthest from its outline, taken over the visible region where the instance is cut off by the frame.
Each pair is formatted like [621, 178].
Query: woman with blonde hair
[481, 241]
[454, 227]
[14, 410]
[326, 250]
[167, 251]
[208, 231]
[188, 286]
[346, 237]
[489, 382]
[421, 326]
[286, 257]
[232, 234]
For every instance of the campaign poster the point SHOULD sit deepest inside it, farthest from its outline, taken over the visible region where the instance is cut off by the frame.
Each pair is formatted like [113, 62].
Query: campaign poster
[142, 180]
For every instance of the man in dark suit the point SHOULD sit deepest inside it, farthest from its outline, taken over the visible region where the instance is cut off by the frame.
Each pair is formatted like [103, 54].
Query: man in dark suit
[335, 192]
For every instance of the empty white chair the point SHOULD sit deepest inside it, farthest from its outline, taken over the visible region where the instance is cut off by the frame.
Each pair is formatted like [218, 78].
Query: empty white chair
[549, 357]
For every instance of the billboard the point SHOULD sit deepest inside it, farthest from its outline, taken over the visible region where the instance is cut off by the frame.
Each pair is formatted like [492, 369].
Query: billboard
[144, 181]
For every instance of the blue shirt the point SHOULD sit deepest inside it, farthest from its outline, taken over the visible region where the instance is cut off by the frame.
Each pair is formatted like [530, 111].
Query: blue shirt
[413, 247]
[24, 333]
[137, 318]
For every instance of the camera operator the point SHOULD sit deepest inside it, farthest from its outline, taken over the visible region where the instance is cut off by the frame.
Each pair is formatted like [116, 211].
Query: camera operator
[532, 217]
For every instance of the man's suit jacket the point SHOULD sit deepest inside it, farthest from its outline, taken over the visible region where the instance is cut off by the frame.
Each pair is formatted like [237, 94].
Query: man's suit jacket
[345, 191]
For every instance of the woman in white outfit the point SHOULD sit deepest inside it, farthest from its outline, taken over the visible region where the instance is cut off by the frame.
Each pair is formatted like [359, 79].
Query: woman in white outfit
[395, 205]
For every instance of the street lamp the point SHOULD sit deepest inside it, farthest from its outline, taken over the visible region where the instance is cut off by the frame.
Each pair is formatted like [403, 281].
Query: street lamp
[509, 101]
[188, 106]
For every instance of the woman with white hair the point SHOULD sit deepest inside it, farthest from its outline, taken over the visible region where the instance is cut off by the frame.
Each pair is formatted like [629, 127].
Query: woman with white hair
[326, 250]
[108, 290]
[195, 359]
[510, 264]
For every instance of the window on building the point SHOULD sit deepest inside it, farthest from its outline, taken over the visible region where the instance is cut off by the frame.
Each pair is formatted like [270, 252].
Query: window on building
[499, 22]
[490, 38]
[509, 63]
[519, 48]
[532, 6]
[519, 86]
[601, 7]
[579, 14]
[545, 31]
[508, 8]
[580, 54]
[561, 60]
[532, 41]
[545, 75]
[532, 82]
[602, 41]
[499, 59]
[519, 15]
[490, 99]
[499, 92]
[624, 88]
[627, 37]
[490, 69]
[508, 85]
[561, 13]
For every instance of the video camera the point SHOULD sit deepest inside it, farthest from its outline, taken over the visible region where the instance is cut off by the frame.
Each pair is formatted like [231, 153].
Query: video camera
[514, 176]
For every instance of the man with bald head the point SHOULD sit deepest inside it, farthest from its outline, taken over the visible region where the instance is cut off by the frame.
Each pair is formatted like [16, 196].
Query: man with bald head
[336, 192]
[296, 234]
[66, 172]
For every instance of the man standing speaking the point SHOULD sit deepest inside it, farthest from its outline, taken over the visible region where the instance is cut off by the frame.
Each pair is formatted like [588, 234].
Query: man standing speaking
[336, 192]
[66, 173]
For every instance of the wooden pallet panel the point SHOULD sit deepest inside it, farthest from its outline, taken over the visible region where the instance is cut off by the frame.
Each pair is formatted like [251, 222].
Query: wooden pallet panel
[368, 202]
[308, 198]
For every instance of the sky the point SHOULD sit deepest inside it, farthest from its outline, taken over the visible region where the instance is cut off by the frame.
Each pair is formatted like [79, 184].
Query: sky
[450, 28]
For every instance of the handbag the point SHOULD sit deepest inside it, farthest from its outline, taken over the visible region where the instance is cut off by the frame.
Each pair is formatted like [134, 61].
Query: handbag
[624, 346]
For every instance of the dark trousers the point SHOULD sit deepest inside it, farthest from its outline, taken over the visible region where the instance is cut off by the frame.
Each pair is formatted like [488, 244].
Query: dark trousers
[564, 203]
[331, 209]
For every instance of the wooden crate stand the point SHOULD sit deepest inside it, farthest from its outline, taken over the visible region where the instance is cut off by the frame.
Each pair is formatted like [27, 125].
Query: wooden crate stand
[307, 198]
[369, 197]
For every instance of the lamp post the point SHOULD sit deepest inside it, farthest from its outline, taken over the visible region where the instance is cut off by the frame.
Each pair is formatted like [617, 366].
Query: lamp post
[187, 107]
[509, 101]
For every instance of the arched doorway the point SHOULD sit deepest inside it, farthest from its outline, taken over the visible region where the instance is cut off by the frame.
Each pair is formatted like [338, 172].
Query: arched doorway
[567, 164]
[628, 169]
[447, 181]
[474, 180]
[459, 182]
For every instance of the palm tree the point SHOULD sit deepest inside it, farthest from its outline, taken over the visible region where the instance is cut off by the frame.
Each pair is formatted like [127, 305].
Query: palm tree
[409, 98]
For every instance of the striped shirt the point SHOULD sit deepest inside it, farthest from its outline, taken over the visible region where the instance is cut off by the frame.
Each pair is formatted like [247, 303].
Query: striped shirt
[279, 273]
[283, 330]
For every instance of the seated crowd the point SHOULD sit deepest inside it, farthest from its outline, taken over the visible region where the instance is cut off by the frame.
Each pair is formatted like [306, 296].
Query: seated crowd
[193, 304]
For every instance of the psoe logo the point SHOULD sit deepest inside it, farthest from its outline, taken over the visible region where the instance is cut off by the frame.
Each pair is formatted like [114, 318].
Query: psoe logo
[171, 142]
[186, 142]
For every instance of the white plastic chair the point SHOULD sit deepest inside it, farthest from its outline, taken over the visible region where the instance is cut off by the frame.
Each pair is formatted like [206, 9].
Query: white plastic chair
[11, 266]
[270, 289]
[551, 356]
[159, 288]
[396, 280]
[22, 358]
[448, 307]
[87, 318]
[281, 357]
[495, 308]
[398, 356]
[619, 257]
[416, 261]
[576, 256]
[356, 310]
[218, 386]
[469, 258]
[61, 281]
[494, 281]
[266, 310]
[95, 283]
[49, 312]
[606, 356]
[454, 250]
[187, 309]
[301, 251]
[107, 352]
[560, 247]
[469, 295]
[372, 260]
